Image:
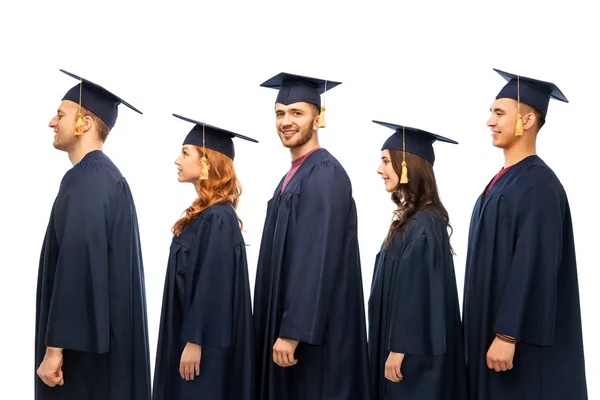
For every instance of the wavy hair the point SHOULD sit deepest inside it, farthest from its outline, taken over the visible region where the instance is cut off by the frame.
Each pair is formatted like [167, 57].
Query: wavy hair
[420, 191]
[221, 186]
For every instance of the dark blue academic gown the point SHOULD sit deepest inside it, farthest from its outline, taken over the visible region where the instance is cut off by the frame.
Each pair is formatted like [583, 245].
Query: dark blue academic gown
[206, 301]
[90, 293]
[521, 281]
[309, 288]
[413, 309]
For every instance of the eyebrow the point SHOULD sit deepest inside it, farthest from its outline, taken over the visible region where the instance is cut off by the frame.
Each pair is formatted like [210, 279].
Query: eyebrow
[385, 158]
[497, 109]
[291, 109]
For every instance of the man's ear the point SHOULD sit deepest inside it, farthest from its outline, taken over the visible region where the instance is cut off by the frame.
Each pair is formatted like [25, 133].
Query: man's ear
[529, 121]
[88, 123]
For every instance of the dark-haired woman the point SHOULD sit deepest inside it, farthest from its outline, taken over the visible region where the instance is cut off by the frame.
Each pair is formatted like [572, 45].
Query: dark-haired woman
[205, 345]
[415, 339]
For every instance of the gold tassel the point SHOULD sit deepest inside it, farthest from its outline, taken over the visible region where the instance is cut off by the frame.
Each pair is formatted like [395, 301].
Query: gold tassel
[322, 123]
[203, 163]
[79, 125]
[203, 169]
[404, 176]
[519, 128]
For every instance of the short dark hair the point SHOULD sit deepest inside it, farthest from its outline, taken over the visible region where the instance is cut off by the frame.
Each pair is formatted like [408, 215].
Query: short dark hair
[103, 129]
[318, 109]
[539, 117]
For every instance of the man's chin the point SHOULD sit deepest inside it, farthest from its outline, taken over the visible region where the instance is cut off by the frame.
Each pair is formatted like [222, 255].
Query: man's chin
[289, 143]
[294, 141]
[59, 146]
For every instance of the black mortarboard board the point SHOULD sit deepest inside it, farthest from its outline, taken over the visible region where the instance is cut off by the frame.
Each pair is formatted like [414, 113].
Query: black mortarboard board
[95, 98]
[296, 88]
[213, 138]
[530, 91]
[415, 141]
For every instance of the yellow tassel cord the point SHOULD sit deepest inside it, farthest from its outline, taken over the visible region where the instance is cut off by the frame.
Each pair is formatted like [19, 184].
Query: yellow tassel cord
[322, 123]
[404, 176]
[519, 127]
[203, 163]
[79, 124]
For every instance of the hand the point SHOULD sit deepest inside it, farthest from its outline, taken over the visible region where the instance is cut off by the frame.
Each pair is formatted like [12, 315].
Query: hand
[500, 355]
[283, 352]
[392, 367]
[189, 365]
[50, 370]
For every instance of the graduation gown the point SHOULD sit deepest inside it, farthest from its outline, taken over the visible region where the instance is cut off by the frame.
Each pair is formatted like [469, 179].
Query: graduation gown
[521, 281]
[309, 288]
[90, 292]
[206, 301]
[413, 309]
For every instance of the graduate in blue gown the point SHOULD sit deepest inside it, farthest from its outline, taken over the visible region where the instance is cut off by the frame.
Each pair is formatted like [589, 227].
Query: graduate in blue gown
[205, 344]
[91, 327]
[415, 334]
[522, 321]
[308, 305]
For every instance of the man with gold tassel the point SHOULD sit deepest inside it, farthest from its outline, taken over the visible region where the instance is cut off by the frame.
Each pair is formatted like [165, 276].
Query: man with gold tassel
[309, 311]
[521, 316]
[91, 326]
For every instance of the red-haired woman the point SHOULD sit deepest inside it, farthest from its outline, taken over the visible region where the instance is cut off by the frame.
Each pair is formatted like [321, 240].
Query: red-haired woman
[205, 345]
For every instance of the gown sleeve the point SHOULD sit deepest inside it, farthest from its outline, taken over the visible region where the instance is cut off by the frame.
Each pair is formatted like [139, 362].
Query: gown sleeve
[78, 316]
[527, 307]
[208, 315]
[316, 253]
[418, 319]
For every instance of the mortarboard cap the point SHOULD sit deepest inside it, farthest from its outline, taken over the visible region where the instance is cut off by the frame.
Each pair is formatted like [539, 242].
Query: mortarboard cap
[296, 88]
[414, 141]
[211, 137]
[530, 91]
[95, 98]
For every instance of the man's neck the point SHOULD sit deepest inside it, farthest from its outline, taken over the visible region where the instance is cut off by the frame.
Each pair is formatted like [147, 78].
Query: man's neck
[306, 148]
[517, 154]
[80, 151]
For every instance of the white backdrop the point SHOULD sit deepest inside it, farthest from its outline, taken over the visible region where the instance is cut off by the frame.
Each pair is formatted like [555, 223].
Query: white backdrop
[423, 65]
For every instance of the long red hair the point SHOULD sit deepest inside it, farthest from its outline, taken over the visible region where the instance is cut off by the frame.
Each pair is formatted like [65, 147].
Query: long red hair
[221, 186]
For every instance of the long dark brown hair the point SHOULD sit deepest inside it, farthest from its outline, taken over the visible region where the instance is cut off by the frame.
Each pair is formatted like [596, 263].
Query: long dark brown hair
[222, 185]
[420, 192]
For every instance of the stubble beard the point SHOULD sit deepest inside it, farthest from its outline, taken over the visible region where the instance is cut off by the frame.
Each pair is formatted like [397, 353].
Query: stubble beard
[299, 139]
